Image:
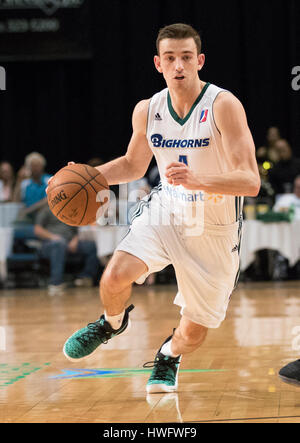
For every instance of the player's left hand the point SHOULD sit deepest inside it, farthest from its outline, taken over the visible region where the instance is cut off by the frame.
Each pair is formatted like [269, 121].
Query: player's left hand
[51, 178]
[180, 174]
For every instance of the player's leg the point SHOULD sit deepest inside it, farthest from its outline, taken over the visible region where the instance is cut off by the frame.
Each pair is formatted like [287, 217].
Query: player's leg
[205, 281]
[139, 254]
[121, 272]
[116, 282]
[187, 338]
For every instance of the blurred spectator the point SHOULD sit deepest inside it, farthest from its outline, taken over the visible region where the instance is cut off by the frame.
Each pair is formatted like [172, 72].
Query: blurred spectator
[266, 194]
[31, 184]
[153, 177]
[59, 240]
[286, 202]
[269, 152]
[138, 189]
[283, 175]
[7, 179]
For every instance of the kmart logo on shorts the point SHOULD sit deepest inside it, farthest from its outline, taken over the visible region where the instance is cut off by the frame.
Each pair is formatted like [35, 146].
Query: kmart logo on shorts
[159, 142]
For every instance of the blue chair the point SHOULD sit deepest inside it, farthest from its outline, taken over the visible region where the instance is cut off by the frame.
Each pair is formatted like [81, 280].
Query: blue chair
[23, 263]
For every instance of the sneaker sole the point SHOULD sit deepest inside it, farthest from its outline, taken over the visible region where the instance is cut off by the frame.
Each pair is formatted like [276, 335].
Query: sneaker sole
[290, 381]
[74, 360]
[158, 389]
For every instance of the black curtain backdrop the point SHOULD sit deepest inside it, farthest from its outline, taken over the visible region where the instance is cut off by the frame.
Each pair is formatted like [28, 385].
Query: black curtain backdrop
[76, 110]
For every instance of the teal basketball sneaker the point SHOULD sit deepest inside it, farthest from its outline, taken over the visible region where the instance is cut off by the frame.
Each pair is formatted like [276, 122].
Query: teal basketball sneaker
[84, 342]
[164, 377]
[291, 373]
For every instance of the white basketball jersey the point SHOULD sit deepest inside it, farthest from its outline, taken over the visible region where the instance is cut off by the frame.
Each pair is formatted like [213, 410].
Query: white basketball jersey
[197, 142]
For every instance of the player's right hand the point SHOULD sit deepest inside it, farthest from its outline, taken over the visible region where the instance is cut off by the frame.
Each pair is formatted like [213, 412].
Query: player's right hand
[49, 181]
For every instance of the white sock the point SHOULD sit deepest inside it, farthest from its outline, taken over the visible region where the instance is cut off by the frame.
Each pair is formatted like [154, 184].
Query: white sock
[115, 321]
[167, 350]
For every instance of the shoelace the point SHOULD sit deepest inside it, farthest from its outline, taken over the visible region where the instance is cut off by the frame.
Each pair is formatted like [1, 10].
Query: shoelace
[161, 368]
[98, 330]
[95, 330]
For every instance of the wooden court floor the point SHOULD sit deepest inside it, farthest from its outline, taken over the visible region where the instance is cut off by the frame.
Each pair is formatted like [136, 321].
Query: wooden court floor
[232, 378]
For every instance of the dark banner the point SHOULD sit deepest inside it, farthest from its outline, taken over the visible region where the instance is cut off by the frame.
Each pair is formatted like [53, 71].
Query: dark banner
[44, 30]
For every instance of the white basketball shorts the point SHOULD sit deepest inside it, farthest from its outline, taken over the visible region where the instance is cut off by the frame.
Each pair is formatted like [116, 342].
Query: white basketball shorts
[206, 266]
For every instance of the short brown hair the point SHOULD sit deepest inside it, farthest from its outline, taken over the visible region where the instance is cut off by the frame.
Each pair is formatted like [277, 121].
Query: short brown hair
[179, 31]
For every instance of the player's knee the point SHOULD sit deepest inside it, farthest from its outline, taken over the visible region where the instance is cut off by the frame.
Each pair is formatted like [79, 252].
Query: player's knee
[114, 280]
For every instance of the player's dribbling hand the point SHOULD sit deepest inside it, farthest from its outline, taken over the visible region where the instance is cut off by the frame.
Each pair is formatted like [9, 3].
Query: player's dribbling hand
[179, 174]
[49, 181]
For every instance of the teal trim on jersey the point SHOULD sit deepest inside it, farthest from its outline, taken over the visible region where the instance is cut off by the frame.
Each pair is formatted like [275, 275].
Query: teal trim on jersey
[173, 113]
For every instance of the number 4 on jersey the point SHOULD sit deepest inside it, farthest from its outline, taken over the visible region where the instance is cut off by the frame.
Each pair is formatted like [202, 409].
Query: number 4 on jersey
[183, 159]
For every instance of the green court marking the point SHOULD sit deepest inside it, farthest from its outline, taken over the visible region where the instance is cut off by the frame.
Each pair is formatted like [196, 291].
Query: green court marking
[118, 373]
[10, 374]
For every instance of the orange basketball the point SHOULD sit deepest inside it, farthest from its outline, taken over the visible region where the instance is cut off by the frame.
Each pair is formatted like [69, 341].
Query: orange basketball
[72, 194]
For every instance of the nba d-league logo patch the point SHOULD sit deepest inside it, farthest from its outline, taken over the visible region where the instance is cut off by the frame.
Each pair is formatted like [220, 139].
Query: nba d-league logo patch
[204, 115]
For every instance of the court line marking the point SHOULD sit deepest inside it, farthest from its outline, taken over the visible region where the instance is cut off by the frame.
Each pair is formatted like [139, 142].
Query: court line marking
[11, 373]
[72, 374]
[245, 419]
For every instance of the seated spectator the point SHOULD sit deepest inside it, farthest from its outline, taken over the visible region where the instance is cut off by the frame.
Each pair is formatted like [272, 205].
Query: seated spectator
[153, 177]
[266, 194]
[7, 179]
[283, 175]
[269, 151]
[59, 240]
[287, 201]
[31, 184]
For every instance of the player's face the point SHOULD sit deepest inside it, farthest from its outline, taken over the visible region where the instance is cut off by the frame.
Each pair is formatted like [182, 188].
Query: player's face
[179, 62]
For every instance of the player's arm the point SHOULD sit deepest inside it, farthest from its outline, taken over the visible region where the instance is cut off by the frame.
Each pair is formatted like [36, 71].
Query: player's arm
[243, 179]
[134, 164]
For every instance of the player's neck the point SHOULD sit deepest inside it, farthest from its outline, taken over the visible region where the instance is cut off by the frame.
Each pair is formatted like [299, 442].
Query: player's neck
[184, 98]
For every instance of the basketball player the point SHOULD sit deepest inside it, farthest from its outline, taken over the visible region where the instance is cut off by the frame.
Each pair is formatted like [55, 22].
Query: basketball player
[205, 153]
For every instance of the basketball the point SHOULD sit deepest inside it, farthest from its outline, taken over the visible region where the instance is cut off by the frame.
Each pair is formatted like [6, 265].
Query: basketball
[72, 194]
